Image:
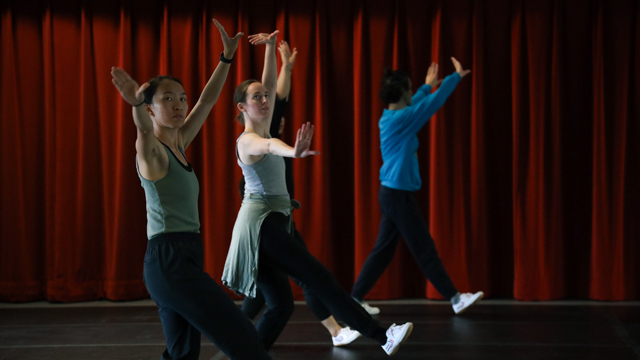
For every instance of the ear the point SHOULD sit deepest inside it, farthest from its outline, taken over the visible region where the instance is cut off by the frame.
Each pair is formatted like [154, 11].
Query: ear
[240, 107]
[148, 108]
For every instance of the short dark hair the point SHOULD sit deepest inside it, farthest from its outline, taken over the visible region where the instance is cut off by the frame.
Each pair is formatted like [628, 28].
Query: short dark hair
[240, 96]
[153, 86]
[394, 84]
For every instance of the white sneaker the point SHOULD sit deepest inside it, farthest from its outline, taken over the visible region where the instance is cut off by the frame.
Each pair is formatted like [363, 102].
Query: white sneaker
[345, 336]
[396, 335]
[372, 310]
[466, 300]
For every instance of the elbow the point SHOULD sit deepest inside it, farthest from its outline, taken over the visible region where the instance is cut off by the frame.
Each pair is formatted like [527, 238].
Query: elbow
[268, 147]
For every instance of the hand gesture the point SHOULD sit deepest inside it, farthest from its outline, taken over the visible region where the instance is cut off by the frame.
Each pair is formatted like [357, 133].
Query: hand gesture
[432, 76]
[459, 70]
[288, 58]
[129, 89]
[264, 38]
[230, 44]
[303, 142]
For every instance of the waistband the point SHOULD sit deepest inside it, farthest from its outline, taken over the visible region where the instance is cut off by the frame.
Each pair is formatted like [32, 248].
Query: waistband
[283, 200]
[392, 190]
[162, 238]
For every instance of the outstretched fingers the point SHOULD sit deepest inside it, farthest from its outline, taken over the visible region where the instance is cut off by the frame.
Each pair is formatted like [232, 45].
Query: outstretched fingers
[119, 76]
[303, 141]
[230, 44]
[263, 38]
[310, 131]
[274, 34]
[223, 32]
[459, 68]
[306, 132]
[128, 88]
[284, 49]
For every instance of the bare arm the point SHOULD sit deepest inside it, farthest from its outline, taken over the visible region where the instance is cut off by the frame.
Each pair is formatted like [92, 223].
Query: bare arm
[252, 147]
[212, 89]
[252, 144]
[284, 79]
[146, 142]
[270, 70]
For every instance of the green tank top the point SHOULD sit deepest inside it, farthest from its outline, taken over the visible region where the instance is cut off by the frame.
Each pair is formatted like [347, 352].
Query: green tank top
[172, 201]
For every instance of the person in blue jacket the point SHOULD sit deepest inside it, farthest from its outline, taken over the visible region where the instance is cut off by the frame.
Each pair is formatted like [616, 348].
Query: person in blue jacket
[399, 125]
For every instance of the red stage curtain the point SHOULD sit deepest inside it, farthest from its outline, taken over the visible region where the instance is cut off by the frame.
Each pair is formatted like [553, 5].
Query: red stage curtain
[530, 170]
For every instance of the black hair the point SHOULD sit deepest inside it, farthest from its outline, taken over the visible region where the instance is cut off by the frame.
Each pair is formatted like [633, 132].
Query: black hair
[153, 86]
[240, 96]
[394, 84]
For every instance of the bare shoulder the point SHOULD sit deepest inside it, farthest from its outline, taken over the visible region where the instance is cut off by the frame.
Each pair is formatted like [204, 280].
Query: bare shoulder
[251, 148]
[249, 137]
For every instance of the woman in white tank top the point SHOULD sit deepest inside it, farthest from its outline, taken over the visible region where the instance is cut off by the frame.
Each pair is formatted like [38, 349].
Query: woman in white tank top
[262, 252]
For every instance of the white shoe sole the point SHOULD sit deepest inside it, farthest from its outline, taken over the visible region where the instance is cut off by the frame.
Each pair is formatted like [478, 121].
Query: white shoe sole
[406, 335]
[348, 342]
[471, 304]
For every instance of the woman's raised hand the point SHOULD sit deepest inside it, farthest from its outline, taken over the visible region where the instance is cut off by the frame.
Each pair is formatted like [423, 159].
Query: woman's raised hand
[288, 58]
[459, 69]
[129, 89]
[432, 76]
[303, 142]
[264, 38]
[230, 43]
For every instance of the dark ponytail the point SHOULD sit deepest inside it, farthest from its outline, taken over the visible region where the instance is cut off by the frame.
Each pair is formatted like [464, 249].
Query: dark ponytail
[240, 96]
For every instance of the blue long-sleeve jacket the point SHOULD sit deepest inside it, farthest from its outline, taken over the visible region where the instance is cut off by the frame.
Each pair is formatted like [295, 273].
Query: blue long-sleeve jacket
[399, 139]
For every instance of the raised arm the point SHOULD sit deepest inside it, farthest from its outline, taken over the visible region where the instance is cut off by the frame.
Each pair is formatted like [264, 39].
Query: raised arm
[270, 69]
[428, 103]
[133, 94]
[284, 79]
[284, 87]
[431, 80]
[212, 89]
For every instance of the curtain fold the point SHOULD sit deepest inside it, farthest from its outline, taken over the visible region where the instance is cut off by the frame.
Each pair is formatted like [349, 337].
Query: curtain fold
[529, 170]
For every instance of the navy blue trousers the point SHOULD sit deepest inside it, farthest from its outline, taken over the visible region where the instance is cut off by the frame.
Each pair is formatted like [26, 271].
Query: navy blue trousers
[401, 215]
[191, 303]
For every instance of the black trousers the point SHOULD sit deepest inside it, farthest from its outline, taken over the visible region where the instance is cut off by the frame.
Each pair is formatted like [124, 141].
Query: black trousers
[191, 303]
[252, 306]
[401, 215]
[281, 256]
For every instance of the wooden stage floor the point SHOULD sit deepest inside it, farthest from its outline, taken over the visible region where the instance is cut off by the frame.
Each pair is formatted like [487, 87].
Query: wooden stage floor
[494, 329]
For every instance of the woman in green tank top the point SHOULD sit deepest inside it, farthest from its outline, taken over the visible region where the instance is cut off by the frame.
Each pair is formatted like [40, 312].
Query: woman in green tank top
[190, 302]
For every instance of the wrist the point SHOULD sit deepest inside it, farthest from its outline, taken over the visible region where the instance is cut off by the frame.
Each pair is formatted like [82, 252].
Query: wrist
[229, 53]
[226, 57]
[138, 105]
